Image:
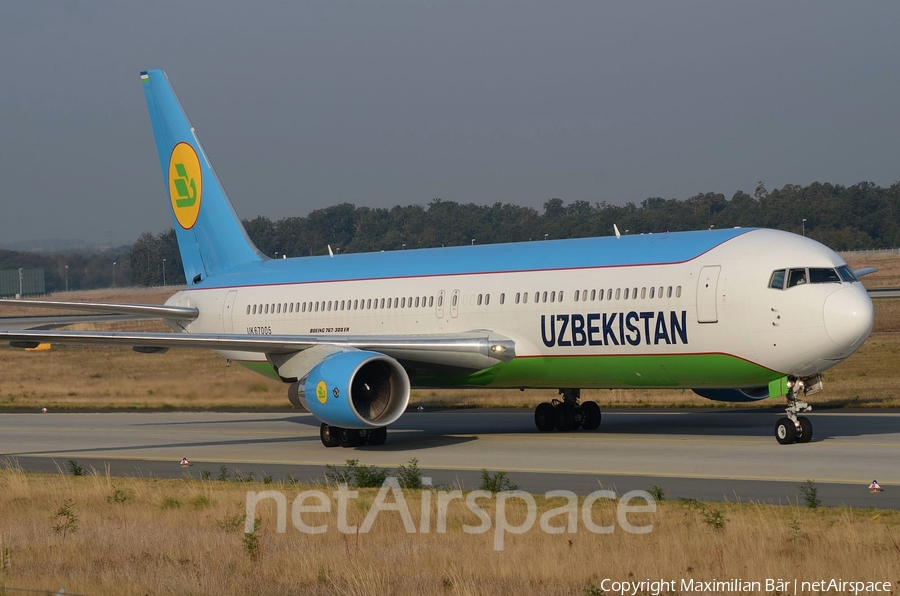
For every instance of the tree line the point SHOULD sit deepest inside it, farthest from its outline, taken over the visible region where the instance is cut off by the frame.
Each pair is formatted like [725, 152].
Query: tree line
[860, 216]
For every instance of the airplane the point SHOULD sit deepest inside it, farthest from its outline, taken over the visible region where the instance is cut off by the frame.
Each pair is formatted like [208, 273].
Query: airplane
[739, 314]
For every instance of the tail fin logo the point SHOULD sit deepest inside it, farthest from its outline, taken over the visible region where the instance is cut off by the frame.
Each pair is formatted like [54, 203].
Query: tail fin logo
[185, 185]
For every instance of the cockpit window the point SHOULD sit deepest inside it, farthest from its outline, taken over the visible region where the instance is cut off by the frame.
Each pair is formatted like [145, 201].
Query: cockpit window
[846, 274]
[777, 281]
[823, 276]
[796, 277]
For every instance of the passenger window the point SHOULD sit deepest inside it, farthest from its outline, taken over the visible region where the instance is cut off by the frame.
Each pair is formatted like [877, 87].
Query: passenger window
[618, 293]
[552, 296]
[644, 293]
[431, 301]
[544, 298]
[576, 295]
[626, 293]
[248, 309]
[403, 303]
[660, 291]
[560, 295]
[634, 293]
[525, 298]
[254, 309]
[537, 297]
[502, 297]
[823, 276]
[777, 280]
[599, 295]
[455, 300]
[417, 302]
[652, 292]
[396, 302]
[678, 292]
[381, 304]
[267, 309]
[479, 299]
[796, 277]
[517, 297]
[593, 295]
[487, 299]
[669, 292]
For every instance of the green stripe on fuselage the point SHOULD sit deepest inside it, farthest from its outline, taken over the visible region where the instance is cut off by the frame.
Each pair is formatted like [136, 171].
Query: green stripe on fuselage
[688, 370]
[263, 368]
[659, 371]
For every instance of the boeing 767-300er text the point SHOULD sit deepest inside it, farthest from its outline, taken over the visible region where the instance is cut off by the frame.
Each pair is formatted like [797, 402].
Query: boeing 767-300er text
[735, 315]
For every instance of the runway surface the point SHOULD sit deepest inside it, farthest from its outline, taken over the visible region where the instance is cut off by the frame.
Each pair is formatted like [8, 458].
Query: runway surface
[712, 455]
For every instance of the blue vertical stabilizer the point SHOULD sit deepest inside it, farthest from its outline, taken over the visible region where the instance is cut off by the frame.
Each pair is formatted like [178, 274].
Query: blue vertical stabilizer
[210, 235]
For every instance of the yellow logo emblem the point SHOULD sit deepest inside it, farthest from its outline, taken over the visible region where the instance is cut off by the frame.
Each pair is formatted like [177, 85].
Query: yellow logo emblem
[185, 185]
[322, 392]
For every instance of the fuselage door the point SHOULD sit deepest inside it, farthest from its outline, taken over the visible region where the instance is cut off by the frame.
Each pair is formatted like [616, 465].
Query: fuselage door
[707, 289]
[228, 312]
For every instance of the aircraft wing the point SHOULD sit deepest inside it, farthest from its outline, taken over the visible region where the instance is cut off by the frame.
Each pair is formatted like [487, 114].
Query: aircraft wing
[475, 350]
[161, 311]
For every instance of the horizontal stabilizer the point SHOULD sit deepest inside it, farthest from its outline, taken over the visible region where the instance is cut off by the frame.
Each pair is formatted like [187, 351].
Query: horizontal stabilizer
[183, 313]
[864, 271]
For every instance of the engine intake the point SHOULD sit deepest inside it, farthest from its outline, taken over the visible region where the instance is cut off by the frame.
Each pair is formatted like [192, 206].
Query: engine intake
[357, 389]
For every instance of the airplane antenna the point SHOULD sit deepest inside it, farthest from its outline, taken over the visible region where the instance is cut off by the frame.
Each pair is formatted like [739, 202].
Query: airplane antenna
[330, 252]
[616, 230]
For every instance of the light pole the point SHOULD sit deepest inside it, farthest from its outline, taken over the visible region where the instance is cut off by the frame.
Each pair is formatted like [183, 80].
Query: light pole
[473, 242]
[164, 273]
[67, 278]
[545, 236]
[114, 273]
[803, 226]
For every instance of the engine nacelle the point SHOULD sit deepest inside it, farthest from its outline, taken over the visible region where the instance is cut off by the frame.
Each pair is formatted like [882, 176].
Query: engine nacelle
[356, 389]
[734, 395]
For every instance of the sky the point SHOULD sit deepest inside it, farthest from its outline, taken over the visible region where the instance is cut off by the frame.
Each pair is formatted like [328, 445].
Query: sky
[305, 104]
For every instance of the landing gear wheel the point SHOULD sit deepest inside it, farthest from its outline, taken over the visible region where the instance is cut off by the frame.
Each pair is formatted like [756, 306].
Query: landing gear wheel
[785, 431]
[377, 436]
[590, 415]
[329, 435]
[566, 417]
[350, 437]
[805, 430]
[545, 417]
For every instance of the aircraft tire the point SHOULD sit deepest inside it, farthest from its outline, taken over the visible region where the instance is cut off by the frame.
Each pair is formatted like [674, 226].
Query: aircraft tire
[545, 417]
[785, 431]
[350, 437]
[330, 435]
[377, 436]
[590, 415]
[806, 430]
[565, 418]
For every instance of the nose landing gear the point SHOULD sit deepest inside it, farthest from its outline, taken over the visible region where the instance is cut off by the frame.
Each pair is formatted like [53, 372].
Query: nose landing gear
[793, 428]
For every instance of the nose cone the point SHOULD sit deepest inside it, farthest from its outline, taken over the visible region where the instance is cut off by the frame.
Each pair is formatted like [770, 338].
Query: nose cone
[849, 316]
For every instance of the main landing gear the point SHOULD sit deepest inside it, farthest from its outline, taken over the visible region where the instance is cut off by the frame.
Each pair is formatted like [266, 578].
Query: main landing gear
[566, 414]
[332, 436]
[793, 428]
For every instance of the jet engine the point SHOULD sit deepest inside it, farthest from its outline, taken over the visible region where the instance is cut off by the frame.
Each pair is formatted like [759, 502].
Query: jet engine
[734, 395]
[356, 389]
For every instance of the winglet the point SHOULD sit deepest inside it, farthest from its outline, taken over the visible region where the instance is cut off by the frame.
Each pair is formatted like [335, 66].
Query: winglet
[616, 230]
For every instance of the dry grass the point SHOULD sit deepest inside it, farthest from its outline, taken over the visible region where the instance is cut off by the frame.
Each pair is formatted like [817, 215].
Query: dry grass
[128, 295]
[888, 274]
[172, 537]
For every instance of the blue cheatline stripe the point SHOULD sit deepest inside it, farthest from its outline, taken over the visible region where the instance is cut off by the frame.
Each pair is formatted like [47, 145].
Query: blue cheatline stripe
[648, 249]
